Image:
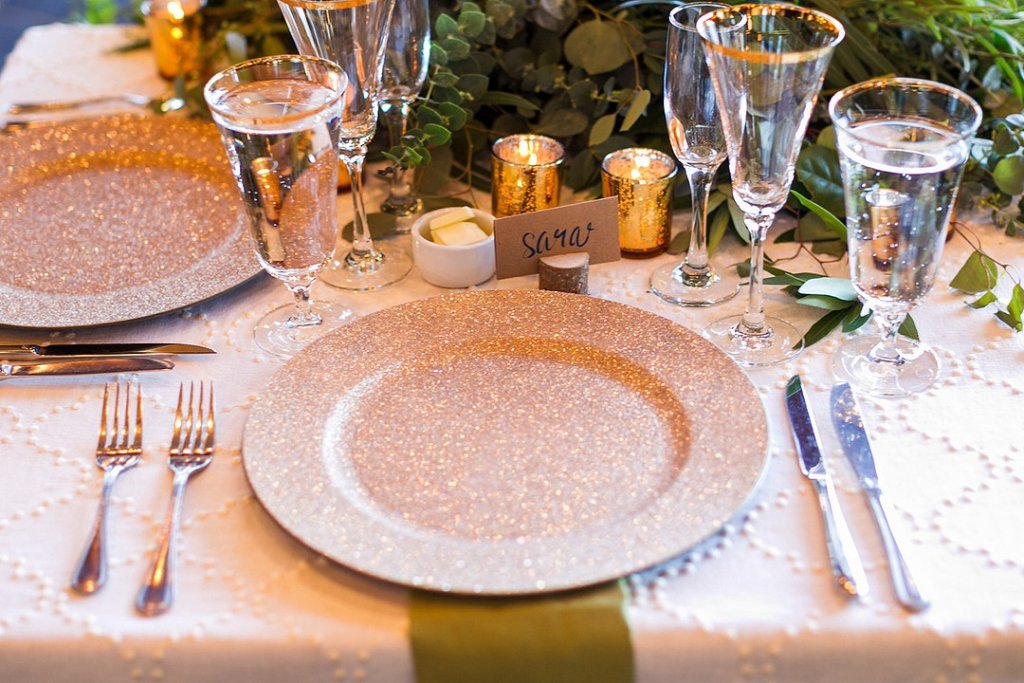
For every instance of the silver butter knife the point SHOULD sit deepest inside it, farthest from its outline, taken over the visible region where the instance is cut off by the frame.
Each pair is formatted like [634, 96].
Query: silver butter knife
[82, 366]
[112, 349]
[850, 428]
[845, 562]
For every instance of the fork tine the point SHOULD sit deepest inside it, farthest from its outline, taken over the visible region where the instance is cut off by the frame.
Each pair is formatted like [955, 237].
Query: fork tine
[112, 441]
[197, 437]
[102, 443]
[176, 434]
[137, 441]
[127, 411]
[186, 439]
[208, 445]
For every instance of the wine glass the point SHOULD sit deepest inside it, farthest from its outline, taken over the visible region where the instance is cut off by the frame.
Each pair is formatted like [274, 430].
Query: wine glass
[902, 146]
[405, 71]
[279, 118]
[697, 140]
[767, 63]
[352, 34]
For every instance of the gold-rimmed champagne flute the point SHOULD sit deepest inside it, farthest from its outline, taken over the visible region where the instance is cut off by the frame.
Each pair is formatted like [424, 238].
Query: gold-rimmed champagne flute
[695, 131]
[767, 63]
[405, 72]
[353, 34]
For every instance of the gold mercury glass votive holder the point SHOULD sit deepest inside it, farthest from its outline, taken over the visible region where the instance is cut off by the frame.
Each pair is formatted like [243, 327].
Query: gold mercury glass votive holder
[175, 34]
[526, 174]
[642, 179]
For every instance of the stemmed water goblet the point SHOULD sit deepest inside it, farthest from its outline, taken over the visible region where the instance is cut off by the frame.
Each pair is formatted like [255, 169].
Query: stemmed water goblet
[902, 146]
[767, 63]
[405, 72]
[695, 131]
[279, 118]
[353, 34]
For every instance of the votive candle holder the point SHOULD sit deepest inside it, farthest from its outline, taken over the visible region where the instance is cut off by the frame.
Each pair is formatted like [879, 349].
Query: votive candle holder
[175, 34]
[643, 180]
[526, 174]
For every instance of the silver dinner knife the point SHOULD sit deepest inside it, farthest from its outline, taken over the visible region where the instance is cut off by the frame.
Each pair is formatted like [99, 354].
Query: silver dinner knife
[82, 366]
[850, 429]
[845, 562]
[111, 349]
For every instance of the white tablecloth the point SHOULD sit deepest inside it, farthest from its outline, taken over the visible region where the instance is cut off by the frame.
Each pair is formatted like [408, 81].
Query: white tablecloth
[760, 605]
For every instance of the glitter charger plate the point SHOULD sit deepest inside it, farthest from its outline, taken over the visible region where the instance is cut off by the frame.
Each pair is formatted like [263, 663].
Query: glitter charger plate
[506, 442]
[116, 218]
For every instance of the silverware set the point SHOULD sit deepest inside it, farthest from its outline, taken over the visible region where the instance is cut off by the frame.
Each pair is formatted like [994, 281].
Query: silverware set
[849, 427]
[120, 448]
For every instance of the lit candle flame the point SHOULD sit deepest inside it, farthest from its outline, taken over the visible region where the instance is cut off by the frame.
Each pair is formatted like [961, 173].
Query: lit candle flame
[176, 11]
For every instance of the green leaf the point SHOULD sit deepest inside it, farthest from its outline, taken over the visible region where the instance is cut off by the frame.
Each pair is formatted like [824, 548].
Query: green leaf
[497, 98]
[601, 130]
[716, 230]
[438, 56]
[437, 135]
[856, 318]
[836, 287]
[562, 123]
[825, 324]
[471, 23]
[831, 221]
[827, 302]
[797, 279]
[978, 274]
[380, 225]
[818, 169]
[445, 27]
[984, 300]
[1012, 315]
[475, 85]
[680, 243]
[909, 329]
[637, 107]
[601, 46]
[445, 79]
[1009, 175]
[457, 48]
[827, 137]
[455, 115]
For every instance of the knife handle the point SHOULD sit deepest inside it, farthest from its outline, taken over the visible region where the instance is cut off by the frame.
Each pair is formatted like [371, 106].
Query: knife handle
[843, 554]
[906, 590]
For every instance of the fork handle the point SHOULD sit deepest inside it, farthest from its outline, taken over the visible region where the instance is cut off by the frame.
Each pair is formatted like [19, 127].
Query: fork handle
[157, 593]
[91, 572]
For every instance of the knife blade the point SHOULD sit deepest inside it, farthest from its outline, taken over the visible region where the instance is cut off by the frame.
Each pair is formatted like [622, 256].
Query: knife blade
[849, 426]
[111, 349]
[82, 366]
[843, 556]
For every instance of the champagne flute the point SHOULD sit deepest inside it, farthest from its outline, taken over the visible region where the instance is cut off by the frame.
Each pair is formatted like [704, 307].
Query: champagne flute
[902, 146]
[279, 118]
[353, 34]
[405, 72]
[695, 131]
[767, 63]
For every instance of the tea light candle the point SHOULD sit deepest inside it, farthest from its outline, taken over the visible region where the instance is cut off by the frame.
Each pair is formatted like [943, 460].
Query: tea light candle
[525, 174]
[174, 28]
[642, 179]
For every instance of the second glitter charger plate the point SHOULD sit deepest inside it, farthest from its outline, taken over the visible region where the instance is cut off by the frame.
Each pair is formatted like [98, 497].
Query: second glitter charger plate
[117, 218]
[506, 442]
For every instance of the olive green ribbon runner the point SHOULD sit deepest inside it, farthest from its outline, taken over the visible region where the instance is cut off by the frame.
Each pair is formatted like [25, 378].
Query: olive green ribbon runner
[579, 636]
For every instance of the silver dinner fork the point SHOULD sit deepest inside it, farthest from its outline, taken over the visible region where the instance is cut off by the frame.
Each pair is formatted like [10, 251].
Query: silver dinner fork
[191, 450]
[114, 455]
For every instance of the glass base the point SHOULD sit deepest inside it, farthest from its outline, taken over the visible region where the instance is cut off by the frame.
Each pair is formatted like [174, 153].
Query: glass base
[918, 368]
[402, 206]
[388, 264]
[778, 342]
[666, 283]
[275, 337]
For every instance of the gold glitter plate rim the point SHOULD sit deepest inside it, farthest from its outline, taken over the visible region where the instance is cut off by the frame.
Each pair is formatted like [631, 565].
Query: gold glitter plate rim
[228, 264]
[290, 481]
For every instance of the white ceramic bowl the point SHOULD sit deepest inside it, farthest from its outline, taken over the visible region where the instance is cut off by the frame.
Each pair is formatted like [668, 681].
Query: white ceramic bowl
[459, 266]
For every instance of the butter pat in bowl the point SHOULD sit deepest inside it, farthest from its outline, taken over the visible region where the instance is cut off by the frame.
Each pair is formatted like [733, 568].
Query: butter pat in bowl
[454, 247]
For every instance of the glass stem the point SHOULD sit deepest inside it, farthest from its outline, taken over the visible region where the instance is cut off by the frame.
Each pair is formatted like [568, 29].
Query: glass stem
[396, 116]
[362, 243]
[886, 350]
[753, 319]
[694, 271]
[303, 315]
